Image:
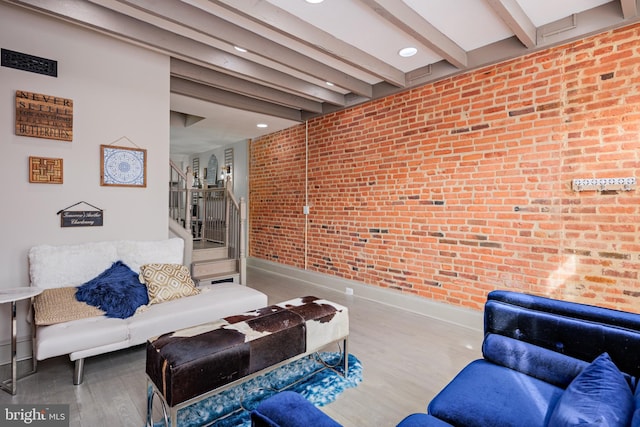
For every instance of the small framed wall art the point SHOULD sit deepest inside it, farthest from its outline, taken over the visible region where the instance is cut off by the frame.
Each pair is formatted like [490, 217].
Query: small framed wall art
[43, 170]
[123, 166]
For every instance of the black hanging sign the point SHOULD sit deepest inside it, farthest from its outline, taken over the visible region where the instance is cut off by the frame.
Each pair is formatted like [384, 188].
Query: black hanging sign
[91, 218]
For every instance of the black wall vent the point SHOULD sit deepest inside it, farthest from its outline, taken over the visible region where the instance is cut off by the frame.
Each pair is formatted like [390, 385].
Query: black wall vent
[33, 64]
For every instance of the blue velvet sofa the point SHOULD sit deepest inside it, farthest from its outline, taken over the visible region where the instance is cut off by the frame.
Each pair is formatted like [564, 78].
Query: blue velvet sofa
[545, 363]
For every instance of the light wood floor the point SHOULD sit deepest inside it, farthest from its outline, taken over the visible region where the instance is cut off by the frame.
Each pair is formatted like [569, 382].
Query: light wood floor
[407, 358]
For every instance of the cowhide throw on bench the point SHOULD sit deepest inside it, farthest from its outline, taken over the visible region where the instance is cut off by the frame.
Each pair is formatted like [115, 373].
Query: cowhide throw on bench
[189, 362]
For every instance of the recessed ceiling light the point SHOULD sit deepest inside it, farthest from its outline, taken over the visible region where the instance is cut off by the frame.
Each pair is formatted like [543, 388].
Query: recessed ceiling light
[240, 49]
[314, 1]
[262, 125]
[330, 84]
[407, 52]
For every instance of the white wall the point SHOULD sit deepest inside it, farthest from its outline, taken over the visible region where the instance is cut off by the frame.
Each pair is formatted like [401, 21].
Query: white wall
[241, 172]
[118, 90]
[181, 161]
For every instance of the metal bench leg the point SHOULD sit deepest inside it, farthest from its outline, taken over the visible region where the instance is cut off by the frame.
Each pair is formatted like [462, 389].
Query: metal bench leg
[151, 392]
[345, 357]
[78, 372]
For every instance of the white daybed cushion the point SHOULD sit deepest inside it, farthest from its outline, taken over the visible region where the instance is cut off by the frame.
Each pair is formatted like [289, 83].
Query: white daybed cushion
[97, 335]
[63, 338]
[213, 302]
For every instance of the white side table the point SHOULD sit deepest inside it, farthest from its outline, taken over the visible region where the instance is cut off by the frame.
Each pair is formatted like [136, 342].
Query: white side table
[14, 295]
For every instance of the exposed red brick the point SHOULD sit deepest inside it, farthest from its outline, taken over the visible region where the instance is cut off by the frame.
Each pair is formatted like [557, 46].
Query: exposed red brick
[417, 192]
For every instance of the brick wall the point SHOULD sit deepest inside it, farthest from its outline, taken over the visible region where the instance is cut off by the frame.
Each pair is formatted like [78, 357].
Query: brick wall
[463, 186]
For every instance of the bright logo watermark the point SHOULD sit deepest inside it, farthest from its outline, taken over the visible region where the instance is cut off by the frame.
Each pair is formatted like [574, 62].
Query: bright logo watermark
[34, 415]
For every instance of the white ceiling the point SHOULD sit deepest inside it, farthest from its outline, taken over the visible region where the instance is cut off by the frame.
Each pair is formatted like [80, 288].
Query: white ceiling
[294, 48]
[220, 125]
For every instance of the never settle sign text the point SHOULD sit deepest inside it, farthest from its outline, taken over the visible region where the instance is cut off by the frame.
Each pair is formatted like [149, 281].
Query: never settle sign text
[44, 116]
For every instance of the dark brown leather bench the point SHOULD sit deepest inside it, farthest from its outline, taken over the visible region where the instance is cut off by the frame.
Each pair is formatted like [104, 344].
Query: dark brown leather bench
[186, 366]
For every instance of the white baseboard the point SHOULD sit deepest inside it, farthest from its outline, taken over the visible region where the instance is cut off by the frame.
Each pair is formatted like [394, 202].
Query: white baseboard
[458, 315]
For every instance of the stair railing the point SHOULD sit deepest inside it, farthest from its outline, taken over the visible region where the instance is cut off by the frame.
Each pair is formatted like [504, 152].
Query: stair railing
[213, 215]
[237, 220]
[179, 195]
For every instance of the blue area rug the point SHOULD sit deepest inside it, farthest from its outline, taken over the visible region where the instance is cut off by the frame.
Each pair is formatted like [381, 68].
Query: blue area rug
[306, 376]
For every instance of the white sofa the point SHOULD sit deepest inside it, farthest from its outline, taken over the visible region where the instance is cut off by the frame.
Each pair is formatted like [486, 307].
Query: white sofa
[73, 265]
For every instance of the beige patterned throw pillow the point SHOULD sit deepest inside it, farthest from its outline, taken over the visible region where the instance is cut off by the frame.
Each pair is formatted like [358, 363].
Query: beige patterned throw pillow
[166, 282]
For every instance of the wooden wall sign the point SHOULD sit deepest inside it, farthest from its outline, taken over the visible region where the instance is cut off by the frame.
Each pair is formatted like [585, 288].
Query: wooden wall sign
[44, 116]
[81, 218]
[43, 170]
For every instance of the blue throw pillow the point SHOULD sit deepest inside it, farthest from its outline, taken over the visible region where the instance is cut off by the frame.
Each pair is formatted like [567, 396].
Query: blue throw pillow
[598, 396]
[117, 291]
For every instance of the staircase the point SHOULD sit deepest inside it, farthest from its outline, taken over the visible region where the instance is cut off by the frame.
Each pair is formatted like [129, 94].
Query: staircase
[212, 222]
[213, 265]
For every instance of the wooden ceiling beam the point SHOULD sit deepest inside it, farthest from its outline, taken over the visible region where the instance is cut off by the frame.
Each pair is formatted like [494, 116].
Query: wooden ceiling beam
[517, 20]
[196, 73]
[111, 22]
[410, 22]
[231, 99]
[278, 20]
[629, 8]
[185, 15]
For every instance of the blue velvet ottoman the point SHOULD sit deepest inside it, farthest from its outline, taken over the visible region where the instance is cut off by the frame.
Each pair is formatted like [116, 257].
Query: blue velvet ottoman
[422, 420]
[289, 409]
